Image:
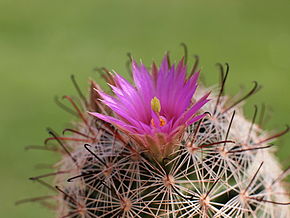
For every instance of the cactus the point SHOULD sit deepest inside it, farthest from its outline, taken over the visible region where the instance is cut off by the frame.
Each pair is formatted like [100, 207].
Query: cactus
[215, 164]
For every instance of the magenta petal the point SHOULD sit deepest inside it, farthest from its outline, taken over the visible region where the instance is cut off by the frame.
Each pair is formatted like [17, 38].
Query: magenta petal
[196, 107]
[196, 118]
[146, 128]
[114, 121]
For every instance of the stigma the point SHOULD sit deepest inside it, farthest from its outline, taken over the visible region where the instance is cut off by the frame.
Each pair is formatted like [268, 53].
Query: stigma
[156, 107]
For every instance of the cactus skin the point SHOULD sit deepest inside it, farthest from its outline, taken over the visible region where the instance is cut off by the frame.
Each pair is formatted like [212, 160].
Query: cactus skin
[223, 167]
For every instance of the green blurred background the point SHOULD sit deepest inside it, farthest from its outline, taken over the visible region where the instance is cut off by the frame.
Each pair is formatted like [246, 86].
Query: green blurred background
[43, 42]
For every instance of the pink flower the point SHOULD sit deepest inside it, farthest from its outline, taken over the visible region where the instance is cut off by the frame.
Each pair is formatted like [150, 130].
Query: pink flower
[157, 109]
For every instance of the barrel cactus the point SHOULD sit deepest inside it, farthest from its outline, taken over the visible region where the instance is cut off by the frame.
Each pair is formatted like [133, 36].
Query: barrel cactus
[164, 147]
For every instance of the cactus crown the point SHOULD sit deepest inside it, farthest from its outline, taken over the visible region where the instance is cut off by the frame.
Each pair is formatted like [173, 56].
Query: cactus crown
[213, 164]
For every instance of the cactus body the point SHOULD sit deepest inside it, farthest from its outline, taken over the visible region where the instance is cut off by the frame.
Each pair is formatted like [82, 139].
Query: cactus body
[221, 166]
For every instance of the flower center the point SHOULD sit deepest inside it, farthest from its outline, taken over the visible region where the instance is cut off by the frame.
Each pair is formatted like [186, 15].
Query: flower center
[156, 107]
[161, 120]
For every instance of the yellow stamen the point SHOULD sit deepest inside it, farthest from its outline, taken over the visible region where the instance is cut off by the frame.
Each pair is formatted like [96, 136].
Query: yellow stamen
[162, 122]
[155, 104]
